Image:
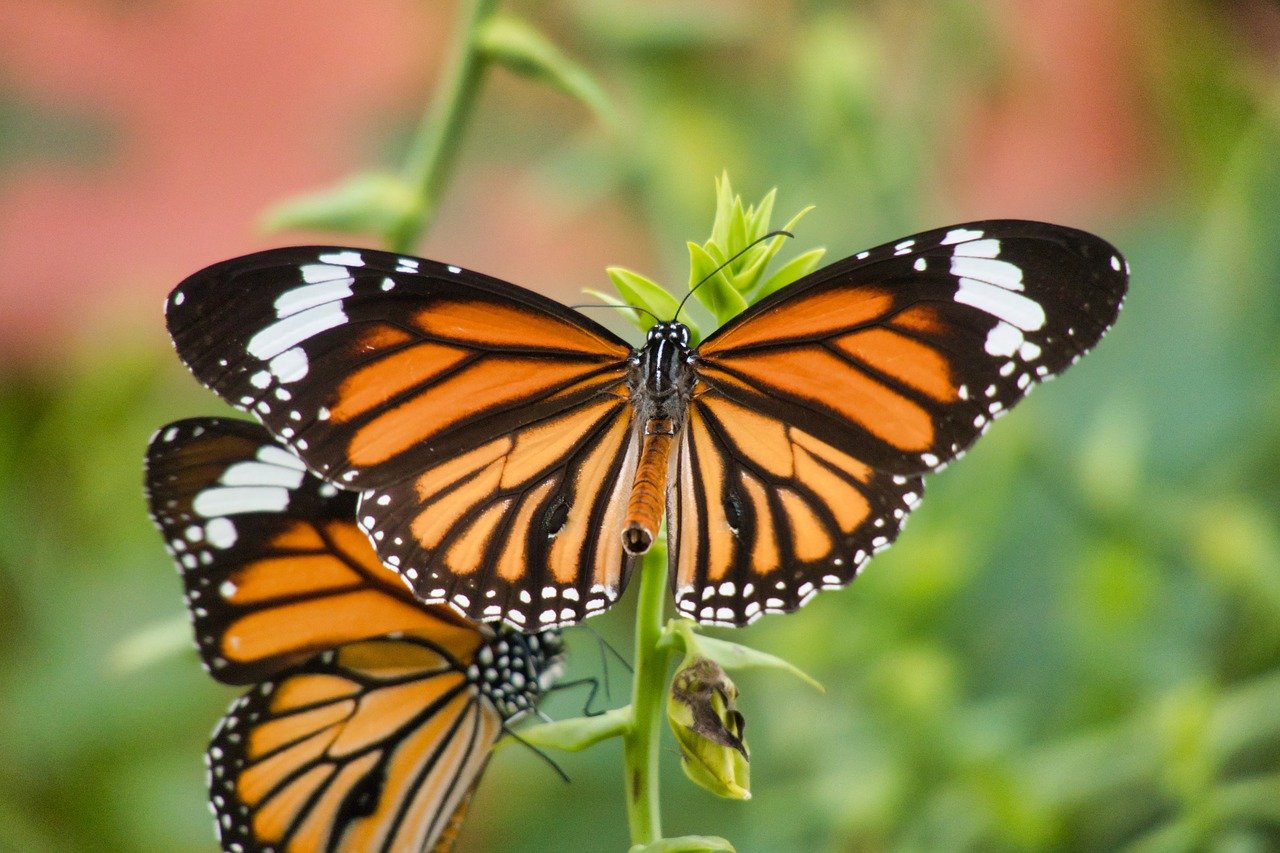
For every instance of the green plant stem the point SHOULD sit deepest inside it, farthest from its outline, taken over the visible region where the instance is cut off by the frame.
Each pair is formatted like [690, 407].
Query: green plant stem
[641, 741]
[435, 148]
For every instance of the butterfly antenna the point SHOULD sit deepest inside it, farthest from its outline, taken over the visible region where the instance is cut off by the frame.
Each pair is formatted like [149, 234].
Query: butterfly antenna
[550, 761]
[779, 233]
[655, 317]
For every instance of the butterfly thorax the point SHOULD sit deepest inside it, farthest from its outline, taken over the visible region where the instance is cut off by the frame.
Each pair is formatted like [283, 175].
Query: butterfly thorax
[512, 670]
[660, 375]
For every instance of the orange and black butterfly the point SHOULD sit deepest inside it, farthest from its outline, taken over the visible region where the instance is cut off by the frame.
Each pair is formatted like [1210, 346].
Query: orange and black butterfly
[513, 457]
[373, 714]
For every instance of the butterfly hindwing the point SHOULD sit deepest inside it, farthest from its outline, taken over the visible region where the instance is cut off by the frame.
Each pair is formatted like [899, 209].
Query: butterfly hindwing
[374, 746]
[521, 528]
[763, 515]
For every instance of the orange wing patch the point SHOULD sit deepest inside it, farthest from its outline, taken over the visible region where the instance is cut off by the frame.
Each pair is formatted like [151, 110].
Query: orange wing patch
[500, 324]
[815, 374]
[804, 317]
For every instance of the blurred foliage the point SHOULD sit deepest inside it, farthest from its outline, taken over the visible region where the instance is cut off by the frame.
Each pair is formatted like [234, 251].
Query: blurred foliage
[1075, 644]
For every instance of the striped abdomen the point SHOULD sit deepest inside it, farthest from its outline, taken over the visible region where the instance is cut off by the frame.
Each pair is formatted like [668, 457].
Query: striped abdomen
[649, 490]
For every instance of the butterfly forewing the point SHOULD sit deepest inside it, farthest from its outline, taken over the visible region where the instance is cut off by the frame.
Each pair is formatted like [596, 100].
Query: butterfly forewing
[902, 355]
[451, 399]
[273, 565]
[816, 411]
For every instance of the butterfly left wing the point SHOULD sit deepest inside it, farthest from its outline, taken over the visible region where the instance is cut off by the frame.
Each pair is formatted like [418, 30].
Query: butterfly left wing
[486, 425]
[818, 408]
[273, 566]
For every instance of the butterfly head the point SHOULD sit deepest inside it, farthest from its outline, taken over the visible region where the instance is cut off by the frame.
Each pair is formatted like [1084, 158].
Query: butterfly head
[673, 332]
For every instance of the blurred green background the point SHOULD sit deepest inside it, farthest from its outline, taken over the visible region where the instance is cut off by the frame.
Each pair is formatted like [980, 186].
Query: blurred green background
[1074, 645]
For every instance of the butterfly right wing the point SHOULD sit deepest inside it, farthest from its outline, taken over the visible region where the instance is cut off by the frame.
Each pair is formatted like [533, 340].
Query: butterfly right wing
[487, 426]
[375, 746]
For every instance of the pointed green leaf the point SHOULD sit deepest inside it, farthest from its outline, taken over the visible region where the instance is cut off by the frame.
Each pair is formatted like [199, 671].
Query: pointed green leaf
[770, 249]
[795, 220]
[578, 733]
[724, 210]
[371, 203]
[737, 240]
[632, 316]
[643, 292]
[716, 293]
[759, 221]
[686, 844]
[799, 266]
[516, 45]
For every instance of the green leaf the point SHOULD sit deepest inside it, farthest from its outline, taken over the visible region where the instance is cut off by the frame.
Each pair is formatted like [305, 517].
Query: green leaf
[800, 265]
[735, 656]
[724, 210]
[639, 290]
[716, 292]
[578, 733]
[758, 223]
[371, 203]
[519, 47]
[685, 844]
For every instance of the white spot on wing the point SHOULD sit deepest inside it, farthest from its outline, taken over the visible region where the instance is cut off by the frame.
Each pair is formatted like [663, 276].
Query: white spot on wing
[1000, 273]
[1003, 339]
[960, 235]
[977, 249]
[298, 299]
[1013, 308]
[261, 474]
[231, 500]
[455, 271]
[290, 365]
[348, 258]
[294, 329]
[220, 533]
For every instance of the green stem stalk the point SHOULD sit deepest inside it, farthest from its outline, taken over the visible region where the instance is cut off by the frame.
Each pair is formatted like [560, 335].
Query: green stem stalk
[641, 741]
[435, 147]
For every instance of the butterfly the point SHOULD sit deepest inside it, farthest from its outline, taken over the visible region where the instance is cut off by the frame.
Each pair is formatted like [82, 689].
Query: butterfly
[372, 714]
[514, 457]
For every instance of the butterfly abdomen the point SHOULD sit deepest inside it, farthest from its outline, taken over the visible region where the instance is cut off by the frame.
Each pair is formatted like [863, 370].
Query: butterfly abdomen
[648, 492]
